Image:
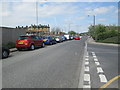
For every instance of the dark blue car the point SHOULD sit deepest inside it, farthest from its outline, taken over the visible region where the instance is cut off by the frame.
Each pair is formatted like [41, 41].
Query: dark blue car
[49, 40]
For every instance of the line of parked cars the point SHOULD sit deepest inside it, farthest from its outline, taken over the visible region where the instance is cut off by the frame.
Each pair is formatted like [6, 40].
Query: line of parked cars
[30, 42]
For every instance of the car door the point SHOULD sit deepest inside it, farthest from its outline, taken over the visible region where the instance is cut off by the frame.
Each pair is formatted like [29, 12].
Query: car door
[39, 41]
[34, 39]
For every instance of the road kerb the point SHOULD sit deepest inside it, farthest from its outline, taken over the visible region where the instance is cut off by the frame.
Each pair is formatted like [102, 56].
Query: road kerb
[81, 80]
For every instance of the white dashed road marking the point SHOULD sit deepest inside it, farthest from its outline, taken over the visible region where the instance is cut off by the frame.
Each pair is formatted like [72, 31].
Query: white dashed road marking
[103, 78]
[87, 56]
[95, 59]
[94, 56]
[86, 86]
[86, 63]
[100, 70]
[87, 69]
[86, 59]
[87, 77]
[97, 63]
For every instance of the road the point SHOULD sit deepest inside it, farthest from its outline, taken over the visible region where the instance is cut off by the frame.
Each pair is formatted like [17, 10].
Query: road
[56, 66]
[103, 65]
[71, 64]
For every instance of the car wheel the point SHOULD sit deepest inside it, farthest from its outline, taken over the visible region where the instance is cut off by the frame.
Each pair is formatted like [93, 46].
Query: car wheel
[55, 42]
[32, 47]
[5, 54]
[43, 45]
[51, 43]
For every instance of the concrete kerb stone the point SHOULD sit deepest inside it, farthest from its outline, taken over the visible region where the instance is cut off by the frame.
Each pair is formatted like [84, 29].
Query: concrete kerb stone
[13, 50]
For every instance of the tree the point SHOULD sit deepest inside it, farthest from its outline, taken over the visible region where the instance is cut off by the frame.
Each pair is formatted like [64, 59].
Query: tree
[72, 32]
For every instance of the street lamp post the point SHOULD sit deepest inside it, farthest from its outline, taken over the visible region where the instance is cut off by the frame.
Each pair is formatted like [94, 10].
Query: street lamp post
[94, 17]
[37, 16]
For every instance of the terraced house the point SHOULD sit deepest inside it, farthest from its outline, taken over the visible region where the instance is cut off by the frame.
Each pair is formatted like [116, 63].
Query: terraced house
[37, 29]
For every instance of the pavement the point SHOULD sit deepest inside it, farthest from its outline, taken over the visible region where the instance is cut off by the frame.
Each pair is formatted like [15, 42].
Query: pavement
[91, 40]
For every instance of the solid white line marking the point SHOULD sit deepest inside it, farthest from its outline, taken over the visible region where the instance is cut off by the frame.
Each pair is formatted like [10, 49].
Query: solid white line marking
[103, 78]
[86, 59]
[87, 77]
[87, 69]
[94, 56]
[86, 63]
[97, 63]
[99, 70]
[86, 86]
[95, 59]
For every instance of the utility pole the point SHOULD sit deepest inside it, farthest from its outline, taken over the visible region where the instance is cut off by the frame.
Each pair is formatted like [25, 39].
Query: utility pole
[94, 17]
[94, 27]
[37, 15]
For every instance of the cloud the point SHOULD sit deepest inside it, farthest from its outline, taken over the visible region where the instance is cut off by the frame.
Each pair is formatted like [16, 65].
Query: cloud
[20, 13]
[99, 10]
[102, 19]
[62, 0]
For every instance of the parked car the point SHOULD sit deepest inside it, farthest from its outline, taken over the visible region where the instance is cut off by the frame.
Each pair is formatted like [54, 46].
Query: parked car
[49, 40]
[5, 52]
[58, 38]
[64, 38]
[29, 42]
[77, 37]
[71, 37]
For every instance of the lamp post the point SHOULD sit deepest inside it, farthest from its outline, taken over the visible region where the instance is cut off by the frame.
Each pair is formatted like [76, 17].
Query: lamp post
[94, 17]
[37, 16]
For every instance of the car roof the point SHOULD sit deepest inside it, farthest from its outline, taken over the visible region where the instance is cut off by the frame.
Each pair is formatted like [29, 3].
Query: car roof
[28, 35]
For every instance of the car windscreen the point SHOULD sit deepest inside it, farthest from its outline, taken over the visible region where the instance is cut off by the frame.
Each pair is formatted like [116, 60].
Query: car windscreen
[46, 37]
[23, 37]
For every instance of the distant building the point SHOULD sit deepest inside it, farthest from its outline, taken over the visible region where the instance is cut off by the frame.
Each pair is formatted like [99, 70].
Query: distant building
[37, 29]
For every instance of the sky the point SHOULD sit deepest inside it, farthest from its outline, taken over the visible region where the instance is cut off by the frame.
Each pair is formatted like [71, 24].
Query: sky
[67, 15]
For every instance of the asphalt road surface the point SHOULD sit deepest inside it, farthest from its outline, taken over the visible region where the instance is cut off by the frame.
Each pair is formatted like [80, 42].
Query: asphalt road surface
[56, 66]
[71, 64]
[103, 65]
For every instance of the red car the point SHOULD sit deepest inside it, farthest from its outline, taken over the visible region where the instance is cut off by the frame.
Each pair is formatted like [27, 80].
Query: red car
[77, 37]
[29, 42]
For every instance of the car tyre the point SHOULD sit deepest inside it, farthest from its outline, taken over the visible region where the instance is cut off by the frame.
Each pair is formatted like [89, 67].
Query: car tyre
[51, 43]
[32, 47]
[5, 54]
[43, 45]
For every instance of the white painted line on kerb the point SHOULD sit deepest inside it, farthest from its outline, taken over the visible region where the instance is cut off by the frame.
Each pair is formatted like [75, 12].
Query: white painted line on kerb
[103, 78]
[86, 59]
[94, 56]
[97, 63]
[86, 86]
[87, 69]
[95, 59]
[99, 70]
[86, 63]
[87, 77]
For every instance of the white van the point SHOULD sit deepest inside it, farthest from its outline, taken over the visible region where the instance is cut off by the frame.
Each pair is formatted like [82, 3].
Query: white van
[67, 36]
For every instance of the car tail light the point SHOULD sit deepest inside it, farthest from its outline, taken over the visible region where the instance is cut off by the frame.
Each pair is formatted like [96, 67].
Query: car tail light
[26, 42]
